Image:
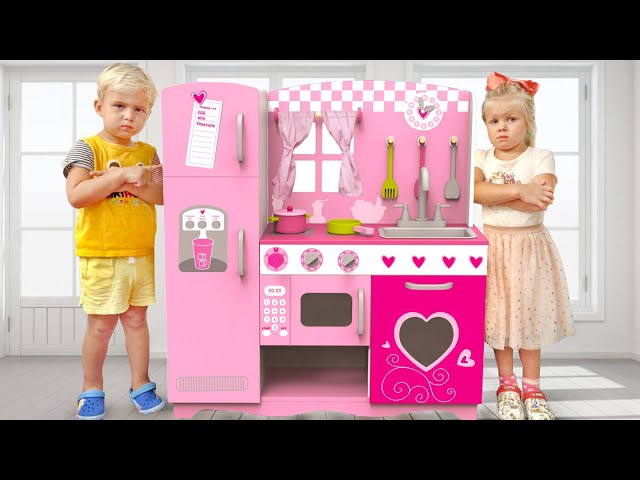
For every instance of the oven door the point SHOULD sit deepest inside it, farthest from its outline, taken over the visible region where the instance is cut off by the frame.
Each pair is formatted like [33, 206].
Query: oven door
[330, 309]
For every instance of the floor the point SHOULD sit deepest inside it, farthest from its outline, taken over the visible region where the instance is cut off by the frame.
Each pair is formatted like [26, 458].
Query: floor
[46, 388]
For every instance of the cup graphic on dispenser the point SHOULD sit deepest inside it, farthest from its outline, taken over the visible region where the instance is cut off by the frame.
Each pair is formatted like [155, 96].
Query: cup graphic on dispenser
[202, 248]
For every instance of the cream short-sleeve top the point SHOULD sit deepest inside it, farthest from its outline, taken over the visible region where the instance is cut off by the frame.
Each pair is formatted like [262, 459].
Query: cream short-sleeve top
[532, 162]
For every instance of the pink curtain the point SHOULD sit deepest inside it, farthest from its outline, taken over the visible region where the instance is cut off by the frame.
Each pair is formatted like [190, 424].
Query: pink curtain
[294, 127]
[341, 125]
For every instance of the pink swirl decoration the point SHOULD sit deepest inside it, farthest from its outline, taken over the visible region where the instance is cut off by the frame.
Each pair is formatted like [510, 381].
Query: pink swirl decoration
[412, 386]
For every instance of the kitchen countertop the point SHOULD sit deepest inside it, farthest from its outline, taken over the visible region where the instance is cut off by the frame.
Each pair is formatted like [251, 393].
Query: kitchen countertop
[316, 233]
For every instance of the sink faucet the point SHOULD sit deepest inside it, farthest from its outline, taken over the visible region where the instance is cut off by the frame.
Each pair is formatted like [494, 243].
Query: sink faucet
[423, 188]
[422, 221]
[437, 214]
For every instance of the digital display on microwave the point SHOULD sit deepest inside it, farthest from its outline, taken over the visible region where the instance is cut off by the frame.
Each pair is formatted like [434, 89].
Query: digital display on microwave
[274, 290]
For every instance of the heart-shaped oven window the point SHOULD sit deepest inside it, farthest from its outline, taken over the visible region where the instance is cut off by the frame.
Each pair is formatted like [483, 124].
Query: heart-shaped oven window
[426, 341]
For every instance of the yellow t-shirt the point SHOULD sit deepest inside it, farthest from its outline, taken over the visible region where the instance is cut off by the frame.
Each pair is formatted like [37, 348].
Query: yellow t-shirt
[122, 224]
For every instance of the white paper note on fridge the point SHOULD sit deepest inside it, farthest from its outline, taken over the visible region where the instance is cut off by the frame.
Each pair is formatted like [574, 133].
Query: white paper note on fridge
[203, 136]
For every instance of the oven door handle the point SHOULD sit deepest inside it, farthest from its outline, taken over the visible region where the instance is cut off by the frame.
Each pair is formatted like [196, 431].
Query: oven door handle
[241, 252]
[428, 286]
[361, 311]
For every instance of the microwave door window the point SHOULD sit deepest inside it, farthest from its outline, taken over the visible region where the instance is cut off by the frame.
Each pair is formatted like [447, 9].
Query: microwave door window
[326, 309]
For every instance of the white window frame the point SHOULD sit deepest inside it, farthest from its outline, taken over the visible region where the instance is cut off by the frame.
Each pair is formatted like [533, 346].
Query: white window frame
[591, 152]
[276, 70]
[14, 76]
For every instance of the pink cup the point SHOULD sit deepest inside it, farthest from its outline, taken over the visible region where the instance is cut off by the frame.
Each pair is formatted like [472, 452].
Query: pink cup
[202, 248]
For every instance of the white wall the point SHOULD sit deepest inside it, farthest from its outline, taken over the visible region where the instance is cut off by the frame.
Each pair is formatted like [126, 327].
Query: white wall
[636, 217]
[388, 70]
[4, 337]
[619, 334]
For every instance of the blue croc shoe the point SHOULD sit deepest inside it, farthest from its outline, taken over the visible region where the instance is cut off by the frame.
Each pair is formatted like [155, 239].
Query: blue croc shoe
[90, 405]
[146, 400]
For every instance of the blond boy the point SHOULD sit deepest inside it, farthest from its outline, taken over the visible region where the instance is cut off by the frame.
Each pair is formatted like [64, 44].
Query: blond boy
[115, 183]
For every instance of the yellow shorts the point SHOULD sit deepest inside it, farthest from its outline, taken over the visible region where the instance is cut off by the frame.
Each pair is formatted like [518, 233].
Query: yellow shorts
[109, 285]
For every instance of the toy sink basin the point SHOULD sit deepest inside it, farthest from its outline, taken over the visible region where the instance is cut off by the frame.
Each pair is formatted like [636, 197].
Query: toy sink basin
[426, 232]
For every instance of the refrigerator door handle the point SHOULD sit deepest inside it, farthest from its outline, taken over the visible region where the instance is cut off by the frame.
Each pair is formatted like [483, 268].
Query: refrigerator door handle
[239, 122]
[241, 252]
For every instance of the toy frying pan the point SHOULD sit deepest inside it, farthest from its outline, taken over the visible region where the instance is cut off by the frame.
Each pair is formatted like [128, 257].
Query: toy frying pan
[348, 226]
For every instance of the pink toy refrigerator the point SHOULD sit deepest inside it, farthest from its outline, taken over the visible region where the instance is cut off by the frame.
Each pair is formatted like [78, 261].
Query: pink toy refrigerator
[213, 161]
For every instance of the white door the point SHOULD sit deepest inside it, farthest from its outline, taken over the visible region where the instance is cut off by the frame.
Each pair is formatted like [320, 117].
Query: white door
[49, 110]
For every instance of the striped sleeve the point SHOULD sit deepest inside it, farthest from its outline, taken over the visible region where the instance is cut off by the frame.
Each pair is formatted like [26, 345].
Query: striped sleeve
[156, 175]
[80, 155]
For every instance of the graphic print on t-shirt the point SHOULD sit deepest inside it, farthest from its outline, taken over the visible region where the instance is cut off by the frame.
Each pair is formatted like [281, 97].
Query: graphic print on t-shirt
[503, 177]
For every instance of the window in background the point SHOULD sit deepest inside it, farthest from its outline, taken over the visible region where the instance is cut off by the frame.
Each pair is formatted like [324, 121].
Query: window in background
[46, 218]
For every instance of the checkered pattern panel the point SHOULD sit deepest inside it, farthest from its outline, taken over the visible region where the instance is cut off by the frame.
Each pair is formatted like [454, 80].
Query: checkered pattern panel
[369, 95]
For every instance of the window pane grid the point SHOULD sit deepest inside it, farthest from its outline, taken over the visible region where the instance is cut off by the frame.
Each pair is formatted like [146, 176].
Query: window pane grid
[39, 240]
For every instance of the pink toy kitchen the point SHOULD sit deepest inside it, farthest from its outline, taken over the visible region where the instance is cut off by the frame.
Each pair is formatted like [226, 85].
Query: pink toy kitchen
[320, 249]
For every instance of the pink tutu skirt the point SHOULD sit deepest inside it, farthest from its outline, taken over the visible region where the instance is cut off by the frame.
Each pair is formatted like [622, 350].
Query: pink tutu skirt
[528, 303]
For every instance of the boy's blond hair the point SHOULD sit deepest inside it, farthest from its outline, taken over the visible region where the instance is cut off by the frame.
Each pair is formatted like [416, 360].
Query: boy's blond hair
[524, 100]
[126, 78]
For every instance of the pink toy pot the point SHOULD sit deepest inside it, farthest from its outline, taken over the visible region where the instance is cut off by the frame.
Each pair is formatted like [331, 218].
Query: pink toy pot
[290, 220]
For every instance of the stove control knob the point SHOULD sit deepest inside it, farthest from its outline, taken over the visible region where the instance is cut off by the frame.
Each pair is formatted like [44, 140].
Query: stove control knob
[311, 259]
[276, 259]
[348, 261]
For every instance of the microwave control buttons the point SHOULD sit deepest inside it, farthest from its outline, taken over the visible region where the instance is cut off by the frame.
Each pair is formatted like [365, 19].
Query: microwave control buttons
[311, 259]
[276, 259]
[275, 319]
[348, 261]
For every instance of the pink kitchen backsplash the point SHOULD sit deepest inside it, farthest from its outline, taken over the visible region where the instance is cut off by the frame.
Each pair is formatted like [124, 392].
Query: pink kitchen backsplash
[388, 109]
